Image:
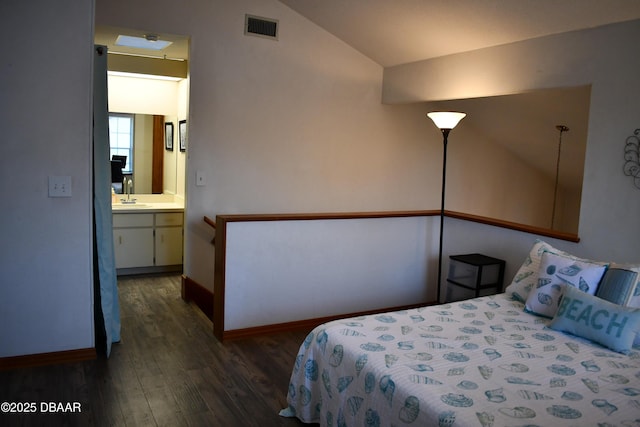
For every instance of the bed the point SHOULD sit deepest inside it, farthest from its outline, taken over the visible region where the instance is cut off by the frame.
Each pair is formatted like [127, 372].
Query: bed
[488, 361]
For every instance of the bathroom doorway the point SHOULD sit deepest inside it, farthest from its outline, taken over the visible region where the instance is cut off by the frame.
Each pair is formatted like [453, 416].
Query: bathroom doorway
[148, 92]
[148, 79]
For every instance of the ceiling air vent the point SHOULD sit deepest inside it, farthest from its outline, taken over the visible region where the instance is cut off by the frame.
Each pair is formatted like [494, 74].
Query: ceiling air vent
[261, 27]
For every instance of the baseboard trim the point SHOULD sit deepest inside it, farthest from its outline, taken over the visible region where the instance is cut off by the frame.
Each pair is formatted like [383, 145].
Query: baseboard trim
[44, 359]
[307, 324]
[202, 297]
[192, 291]
[149, 270]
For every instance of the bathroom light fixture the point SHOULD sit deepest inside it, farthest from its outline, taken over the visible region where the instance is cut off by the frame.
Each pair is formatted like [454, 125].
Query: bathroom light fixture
[140, 55]
[149, 41]
[445, 121]
[143, 76]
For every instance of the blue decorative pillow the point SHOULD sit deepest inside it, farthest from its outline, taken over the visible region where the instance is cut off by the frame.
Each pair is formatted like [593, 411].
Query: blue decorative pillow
[555, 271]
[595, 319]
[634, 299]
[618, 286]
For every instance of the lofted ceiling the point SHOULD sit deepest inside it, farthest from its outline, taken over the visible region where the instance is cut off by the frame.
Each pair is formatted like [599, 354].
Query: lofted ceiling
[393, 32]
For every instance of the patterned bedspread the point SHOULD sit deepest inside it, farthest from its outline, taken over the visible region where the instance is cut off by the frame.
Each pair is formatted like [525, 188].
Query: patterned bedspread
[480, 362]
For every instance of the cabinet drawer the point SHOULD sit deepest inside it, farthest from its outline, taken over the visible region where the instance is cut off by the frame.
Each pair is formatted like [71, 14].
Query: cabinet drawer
[168, 219]
[475, 270]
[459, 293]
[132, 220]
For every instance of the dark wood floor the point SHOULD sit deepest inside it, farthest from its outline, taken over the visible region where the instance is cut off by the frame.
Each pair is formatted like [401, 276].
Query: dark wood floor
[168, 370]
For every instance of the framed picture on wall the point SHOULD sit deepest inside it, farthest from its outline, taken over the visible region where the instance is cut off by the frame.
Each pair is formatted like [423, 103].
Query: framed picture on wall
[182, 134]
[168, 136]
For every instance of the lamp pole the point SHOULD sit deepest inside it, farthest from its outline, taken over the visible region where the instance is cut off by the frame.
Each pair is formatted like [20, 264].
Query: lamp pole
[445, 135]
[445, 121]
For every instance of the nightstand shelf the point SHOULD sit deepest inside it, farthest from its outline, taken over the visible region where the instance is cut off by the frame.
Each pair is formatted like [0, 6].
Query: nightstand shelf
[473, 275]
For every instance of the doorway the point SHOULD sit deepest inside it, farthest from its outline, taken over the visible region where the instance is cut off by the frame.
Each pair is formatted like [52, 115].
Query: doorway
[147, 79]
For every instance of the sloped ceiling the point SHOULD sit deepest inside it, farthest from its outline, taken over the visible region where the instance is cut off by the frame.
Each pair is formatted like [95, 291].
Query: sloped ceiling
[393, 32]
[525, 125]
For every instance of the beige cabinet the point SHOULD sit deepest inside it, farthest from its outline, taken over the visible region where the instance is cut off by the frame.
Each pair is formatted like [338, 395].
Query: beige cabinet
[147, 241]
[168, 238]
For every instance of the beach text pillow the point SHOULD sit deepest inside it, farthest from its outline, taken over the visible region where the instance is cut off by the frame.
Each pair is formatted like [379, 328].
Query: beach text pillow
[587, 316]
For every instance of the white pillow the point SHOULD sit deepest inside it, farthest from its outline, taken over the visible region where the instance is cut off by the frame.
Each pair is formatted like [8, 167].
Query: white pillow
[527, 276]
[557, 270]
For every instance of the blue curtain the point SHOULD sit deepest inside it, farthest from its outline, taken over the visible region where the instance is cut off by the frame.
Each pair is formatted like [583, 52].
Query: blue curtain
[106, 306]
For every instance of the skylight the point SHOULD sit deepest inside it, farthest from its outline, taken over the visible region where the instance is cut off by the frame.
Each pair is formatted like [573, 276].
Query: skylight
[147, 42]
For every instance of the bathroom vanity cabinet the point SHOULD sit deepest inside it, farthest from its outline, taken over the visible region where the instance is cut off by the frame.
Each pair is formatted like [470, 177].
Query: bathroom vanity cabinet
[146, 241]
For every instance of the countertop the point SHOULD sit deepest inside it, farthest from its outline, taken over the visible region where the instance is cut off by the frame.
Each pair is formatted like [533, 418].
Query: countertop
[147, 207]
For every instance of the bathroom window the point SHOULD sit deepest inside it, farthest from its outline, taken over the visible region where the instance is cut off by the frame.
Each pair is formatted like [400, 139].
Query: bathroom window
[121, 138]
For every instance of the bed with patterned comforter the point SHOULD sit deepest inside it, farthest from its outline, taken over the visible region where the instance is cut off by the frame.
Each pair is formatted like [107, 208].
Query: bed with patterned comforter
[479, 362]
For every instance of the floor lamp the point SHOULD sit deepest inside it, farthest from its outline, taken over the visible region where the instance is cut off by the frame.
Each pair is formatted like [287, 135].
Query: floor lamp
[445, 121]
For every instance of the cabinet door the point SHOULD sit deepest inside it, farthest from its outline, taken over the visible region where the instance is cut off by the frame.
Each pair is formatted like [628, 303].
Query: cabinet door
[133, 247]
[168, 245]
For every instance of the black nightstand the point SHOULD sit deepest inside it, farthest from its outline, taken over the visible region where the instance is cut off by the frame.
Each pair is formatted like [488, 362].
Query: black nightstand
[473, 275]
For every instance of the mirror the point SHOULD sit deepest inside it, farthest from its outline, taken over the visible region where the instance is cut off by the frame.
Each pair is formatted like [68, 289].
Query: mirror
[140, 164]
[145, 98]
[508, 161]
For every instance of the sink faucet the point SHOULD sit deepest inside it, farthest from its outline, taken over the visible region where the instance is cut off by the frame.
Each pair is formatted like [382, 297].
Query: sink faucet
[127, 186]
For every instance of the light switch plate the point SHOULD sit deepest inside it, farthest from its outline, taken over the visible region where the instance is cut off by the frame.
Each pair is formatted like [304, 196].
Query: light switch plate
[201, 181]
[59, 186]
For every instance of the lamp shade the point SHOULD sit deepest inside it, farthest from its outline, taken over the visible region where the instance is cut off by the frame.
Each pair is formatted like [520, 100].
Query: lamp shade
[446, 119]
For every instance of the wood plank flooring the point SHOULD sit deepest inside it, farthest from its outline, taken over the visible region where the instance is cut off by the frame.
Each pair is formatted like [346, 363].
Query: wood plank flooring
[168, 370]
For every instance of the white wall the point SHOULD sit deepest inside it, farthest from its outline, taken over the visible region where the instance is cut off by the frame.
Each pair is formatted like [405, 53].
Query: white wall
[473, 187]
[289, 126]
[181, 160]
[604, 57]
[142, 96]
[285, 271]
[46, 298]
